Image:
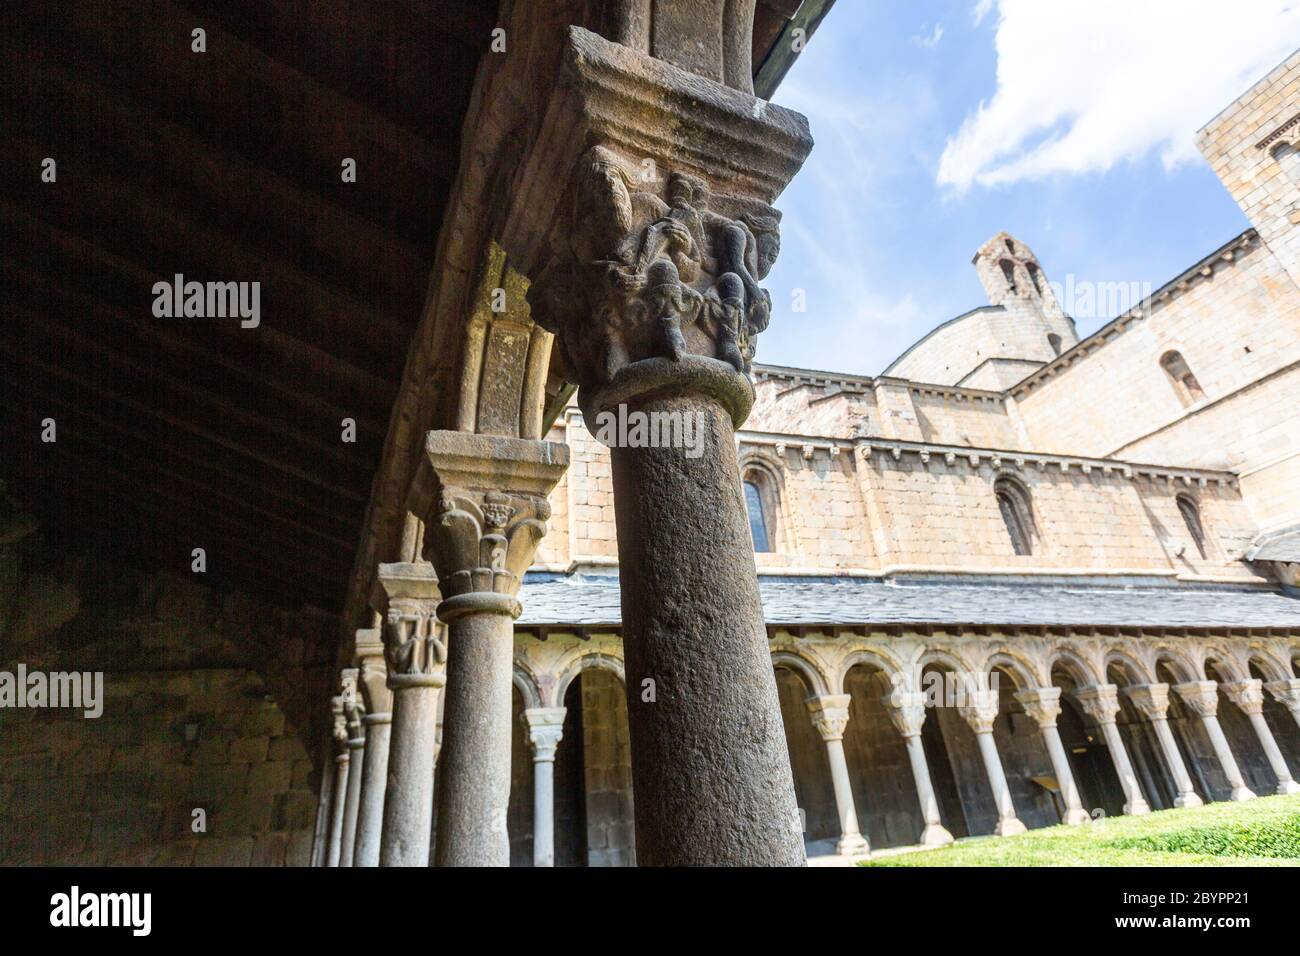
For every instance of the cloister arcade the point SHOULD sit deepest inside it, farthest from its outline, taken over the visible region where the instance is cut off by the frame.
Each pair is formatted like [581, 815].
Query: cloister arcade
[923, 736]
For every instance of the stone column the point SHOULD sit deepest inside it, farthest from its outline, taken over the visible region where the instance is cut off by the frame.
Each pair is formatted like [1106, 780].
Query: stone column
[545, 728]
[1101, 703]
[354, 712]
[321, 838]
[1287, 693]
[483, 502]
[340, 782]
[415, 655]
[1043, 704]
[907, 711]
[1152, 700]
[646, 229]
[980, 711]
[1202, 699]
[378, 700]
[1249, 696]
[830, 715]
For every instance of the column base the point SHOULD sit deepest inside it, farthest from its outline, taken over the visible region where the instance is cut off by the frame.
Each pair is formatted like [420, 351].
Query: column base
[1138, 809]
[936, 835]
[1076, 817]
[855, 845]
[1188, 800]
[1242, 794]
[1287, 787]
[1009, 827]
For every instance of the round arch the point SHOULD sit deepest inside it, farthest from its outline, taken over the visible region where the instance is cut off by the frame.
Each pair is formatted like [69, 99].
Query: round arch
[526, 682]
[597, 660]
[1135, 671]
[1183, 669]
[1022, 673]
[882, 660]
[1083, 673]
[814, 680]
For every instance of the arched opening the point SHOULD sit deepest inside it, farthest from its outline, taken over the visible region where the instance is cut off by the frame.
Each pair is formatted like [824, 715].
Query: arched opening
[1085, 746]
[1180, 375]
[813, 789]
[1191, 513]
[1054, 341]
[1242, 739]
[1189, 734]
[1156, 778]
[762, 503]
[1288, 157]
[1008, 273]
[1036, 276]
[961, 784]
[1017, 514]
[1025, 760]
[1011, 246]
[884, 791]
[1279, 720]
[593, 822]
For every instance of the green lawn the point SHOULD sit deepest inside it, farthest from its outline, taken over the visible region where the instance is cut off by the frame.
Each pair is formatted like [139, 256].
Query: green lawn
[1262, 832]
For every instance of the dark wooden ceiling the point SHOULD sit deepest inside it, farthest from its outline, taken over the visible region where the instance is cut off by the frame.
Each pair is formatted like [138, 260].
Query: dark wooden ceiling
[223, 166]
[180, 433]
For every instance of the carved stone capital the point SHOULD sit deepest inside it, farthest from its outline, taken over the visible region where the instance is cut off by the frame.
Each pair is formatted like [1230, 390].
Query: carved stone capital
[906, 710]
[1200, 696]
[830, 714]
[1151, 700]
[1246, 694]
[353, 708]
[373, 676]
[545, 730]
[1100, 702]
[1286, 693]
[1043, 704]
[415, 650]
[648, 225]
[483, 503]
[340, 729]
[980, 710]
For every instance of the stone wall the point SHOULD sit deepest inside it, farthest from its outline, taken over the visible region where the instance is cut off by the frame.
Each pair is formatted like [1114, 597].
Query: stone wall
[206, 695]
[607, 770]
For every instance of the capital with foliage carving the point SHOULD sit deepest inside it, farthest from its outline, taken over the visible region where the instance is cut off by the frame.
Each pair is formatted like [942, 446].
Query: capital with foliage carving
[830, 715]
[483, 503]
[980, 710]
[1100, 702]
[1151, 700]
[906, 710]
[1246, 694]
[340, 728]
[1200, 696]
[545, 730]
[1286, 693]
[1042, 704]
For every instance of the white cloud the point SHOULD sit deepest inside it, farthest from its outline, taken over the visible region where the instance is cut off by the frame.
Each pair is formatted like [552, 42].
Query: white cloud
[981, 11]
[1085, 84]
[929, 40]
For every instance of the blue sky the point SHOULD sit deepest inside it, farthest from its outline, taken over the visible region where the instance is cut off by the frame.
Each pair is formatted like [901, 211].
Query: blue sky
[939, 123]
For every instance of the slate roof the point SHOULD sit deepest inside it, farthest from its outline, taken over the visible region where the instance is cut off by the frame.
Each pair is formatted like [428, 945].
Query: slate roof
[592, 600]
[1278, 546]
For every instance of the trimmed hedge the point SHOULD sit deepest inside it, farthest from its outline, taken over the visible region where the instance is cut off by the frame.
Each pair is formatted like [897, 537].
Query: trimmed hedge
[1278, 837]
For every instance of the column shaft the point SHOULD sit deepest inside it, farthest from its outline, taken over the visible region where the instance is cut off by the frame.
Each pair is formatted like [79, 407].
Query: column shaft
[1187, 796]
[1008, 823]
[374, 781]
[1285, 782]
[474, 779]
[1074, 811]
[935, 833]
[1229, 763]
[851, 840]
[1135, 804]
[408, 801]
[336, 818]
[544, 812]
[356, 769]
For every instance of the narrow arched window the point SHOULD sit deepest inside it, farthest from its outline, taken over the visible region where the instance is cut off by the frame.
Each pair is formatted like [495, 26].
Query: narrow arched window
[1013, 502]
[758, 514]
[1288, 157]
[1009, 272]
[1180, 374]
[1192, 518]
[1036, 276]
[1011, 246]
[1054, 341]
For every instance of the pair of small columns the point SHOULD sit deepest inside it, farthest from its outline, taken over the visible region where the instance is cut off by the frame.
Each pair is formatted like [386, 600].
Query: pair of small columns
[1202, 698]
[349, 742]
[830, 715]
